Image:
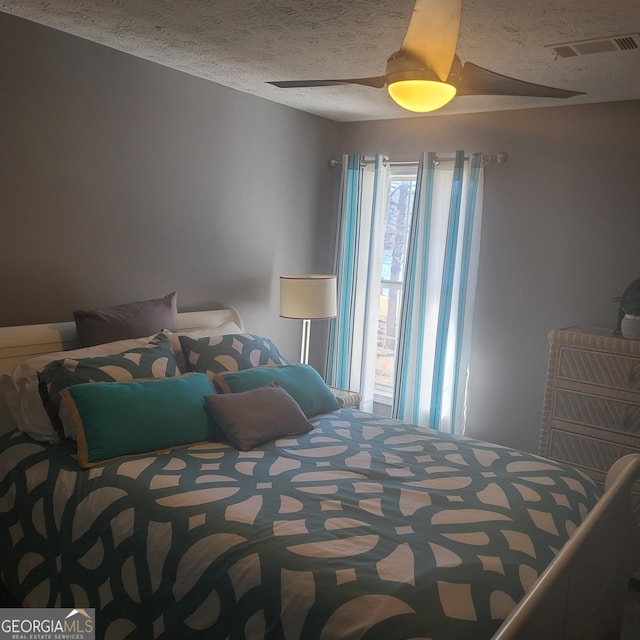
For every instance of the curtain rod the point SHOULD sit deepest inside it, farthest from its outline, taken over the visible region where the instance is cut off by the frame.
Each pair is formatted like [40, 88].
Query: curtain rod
[487, 158]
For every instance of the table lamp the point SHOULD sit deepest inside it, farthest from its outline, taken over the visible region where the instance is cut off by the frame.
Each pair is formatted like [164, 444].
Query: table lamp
[308, 297]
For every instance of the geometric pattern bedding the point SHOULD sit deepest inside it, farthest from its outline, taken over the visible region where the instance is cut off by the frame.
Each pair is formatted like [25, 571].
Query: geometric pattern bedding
[361, 528]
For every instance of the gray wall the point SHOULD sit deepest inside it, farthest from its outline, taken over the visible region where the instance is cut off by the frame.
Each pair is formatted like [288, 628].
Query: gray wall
[560, 238]
[122, 180]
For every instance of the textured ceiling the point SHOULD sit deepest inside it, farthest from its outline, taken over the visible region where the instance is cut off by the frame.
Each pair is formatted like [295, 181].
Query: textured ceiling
[243, 44]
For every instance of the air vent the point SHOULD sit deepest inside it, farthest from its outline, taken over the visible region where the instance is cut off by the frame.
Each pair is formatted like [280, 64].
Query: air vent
[601, 45]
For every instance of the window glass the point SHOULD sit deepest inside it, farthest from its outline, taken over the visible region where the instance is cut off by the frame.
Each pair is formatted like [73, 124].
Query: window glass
[398, 219]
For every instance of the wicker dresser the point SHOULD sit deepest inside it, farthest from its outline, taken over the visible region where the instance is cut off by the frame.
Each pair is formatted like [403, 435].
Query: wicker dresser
[591, 411]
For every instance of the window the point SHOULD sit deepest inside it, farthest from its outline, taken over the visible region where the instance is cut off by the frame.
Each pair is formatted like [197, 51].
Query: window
[407, 249]
[399, 208]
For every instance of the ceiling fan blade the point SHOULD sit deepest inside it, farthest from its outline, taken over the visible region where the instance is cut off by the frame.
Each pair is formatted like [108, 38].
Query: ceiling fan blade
[432, 34]
[378, 82]
[477, 81]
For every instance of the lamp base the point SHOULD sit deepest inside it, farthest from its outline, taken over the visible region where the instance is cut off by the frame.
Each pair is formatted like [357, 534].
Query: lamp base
[306, 335]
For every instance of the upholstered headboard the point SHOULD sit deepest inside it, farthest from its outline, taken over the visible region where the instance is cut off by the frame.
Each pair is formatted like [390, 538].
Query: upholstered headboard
[20, 343]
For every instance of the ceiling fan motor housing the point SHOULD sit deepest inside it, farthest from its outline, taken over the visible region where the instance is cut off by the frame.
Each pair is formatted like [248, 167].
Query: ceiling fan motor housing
[402, 66]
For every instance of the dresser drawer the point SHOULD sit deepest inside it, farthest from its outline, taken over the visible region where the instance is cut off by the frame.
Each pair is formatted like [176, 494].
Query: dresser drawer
[603, 369]
[590, 454]
[597, 411]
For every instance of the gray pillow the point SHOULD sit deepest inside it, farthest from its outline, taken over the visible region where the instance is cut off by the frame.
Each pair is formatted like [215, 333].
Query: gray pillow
[250, 418]
[125, 321]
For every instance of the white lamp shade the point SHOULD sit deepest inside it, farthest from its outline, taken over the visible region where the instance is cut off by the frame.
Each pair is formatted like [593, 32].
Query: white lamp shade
[308, 296]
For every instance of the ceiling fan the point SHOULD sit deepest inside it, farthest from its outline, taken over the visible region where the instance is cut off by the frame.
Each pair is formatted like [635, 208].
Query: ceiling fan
[425, 74]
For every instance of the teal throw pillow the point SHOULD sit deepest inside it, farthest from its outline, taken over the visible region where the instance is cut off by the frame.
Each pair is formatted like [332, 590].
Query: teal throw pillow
[154, 360]
[116, 419]
[232, 352]
[301, 381]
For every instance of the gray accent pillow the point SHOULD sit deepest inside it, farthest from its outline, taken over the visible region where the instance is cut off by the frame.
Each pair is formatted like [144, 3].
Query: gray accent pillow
[250, 418]
[125, 321]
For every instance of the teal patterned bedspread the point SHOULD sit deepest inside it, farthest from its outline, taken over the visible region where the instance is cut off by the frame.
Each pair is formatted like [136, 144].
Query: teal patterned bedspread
[362, 528]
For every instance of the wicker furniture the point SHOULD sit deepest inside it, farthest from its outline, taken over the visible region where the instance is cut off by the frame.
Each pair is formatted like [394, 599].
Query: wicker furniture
[347, 398]
[591, 411]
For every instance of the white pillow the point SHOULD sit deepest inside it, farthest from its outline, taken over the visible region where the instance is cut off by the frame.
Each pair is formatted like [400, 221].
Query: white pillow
[20, 386]
[199, 332]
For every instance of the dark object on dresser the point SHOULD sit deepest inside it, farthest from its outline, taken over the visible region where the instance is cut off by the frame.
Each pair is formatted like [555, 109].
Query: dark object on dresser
[631, 292]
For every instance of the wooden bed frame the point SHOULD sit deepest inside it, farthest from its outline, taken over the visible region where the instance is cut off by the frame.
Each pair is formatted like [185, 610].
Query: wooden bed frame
[581, 594]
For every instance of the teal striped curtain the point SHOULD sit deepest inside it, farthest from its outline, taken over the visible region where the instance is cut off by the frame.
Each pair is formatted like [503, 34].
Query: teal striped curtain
[434, 341]
[358, 260]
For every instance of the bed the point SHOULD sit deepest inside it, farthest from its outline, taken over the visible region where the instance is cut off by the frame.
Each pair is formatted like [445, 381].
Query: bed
[359, 527]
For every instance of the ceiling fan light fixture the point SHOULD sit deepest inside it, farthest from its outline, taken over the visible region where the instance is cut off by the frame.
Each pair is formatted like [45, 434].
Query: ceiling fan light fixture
[421, 96]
